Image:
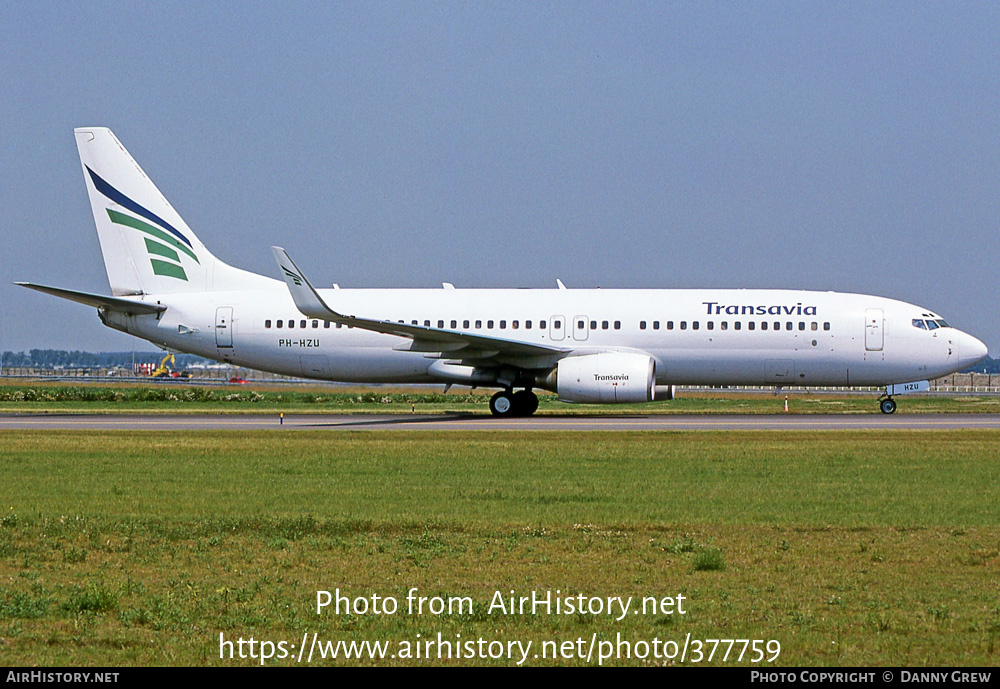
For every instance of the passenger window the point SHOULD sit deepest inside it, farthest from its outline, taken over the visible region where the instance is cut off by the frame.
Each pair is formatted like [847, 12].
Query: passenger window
[427, 324]
[278, 324]
[724, 325]
[413, 322]
[826, 325]
[441, 324]
[604, 325]
[291, 324]
[527, 325]
[465, 324]
[503, 325]
[751, 325]
[302, 324]
[670, 325]
[802, 325]
[580, 325]
[694, 326]
[788, 325]
[315, 324]
[711, 325]
[763, 326]
[593, 325]
[777, 325]
[684, 325]
[489, 325]
[326, 324]
[618, 325]
[514, 325]
[642, 325]
[267, 323]
[340, 325]
[479, 324]
[454, 324]
[555, 324]
[737, 325]
[541, 325]
[814, 326]
[656, 325]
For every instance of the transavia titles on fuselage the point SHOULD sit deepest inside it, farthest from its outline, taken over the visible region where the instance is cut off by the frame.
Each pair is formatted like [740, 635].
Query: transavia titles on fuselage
[586, 345]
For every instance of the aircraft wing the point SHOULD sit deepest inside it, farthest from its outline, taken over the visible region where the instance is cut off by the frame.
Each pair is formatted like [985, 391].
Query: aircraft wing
[100, 301]
[451, 344]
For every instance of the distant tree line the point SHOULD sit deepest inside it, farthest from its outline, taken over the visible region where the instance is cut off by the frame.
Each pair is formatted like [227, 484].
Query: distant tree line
[987, 365]
[53, 358]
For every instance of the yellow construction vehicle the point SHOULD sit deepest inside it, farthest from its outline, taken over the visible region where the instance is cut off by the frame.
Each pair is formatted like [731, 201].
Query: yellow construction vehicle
[165, 371]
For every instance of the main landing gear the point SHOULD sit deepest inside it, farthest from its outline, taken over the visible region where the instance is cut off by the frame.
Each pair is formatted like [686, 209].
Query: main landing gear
[887, 405]
[508, 403]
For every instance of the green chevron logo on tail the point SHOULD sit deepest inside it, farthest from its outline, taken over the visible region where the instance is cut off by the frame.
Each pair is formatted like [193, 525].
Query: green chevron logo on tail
[163, 242]
[295, 278]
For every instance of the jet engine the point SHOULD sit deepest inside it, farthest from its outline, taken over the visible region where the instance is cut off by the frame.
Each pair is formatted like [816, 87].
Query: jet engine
[605, 378]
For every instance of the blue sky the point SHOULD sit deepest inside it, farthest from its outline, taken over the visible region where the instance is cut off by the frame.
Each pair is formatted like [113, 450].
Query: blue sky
[841, 146]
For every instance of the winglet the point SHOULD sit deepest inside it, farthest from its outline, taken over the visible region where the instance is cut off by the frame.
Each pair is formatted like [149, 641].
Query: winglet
[305, 296]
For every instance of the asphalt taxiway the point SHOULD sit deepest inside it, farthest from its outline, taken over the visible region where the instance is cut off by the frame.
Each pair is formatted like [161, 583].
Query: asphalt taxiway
[476, 422]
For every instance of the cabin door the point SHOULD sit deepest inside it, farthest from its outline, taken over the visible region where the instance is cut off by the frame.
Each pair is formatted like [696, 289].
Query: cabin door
[874, 326]
[224, 326]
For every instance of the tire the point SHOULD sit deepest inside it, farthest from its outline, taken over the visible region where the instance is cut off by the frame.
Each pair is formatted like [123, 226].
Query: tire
[502, 404]
[525, 402]
[887, 406]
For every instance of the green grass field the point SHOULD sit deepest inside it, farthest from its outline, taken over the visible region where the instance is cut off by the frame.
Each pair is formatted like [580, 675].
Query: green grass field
[848, 548]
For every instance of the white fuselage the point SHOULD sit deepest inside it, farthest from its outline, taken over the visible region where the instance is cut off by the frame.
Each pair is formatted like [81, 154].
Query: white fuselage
[696, 337]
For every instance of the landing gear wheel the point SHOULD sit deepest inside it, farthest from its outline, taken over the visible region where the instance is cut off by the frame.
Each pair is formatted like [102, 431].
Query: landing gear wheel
[887, 406]
[502, 404]
[525, 402]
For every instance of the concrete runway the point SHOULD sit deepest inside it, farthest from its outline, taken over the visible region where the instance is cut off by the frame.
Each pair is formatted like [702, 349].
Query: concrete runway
[467, 422]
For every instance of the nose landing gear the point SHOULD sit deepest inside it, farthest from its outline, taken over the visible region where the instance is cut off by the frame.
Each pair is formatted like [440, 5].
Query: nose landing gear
[887, 405]
[508, 403]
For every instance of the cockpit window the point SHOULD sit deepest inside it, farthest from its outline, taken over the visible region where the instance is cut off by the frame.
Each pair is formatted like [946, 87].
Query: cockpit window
[932, 325]
[919, 323]
[942, 323]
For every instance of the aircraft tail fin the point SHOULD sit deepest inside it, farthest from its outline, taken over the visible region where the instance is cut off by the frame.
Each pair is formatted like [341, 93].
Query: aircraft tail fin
[147, 246]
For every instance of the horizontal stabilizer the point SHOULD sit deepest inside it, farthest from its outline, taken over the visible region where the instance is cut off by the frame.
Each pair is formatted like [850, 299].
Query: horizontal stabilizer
[133, 308]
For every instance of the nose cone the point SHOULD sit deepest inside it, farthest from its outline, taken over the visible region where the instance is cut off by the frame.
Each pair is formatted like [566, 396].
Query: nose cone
[971, 350]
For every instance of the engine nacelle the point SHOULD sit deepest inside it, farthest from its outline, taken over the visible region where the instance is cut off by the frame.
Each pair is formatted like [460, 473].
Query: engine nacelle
[606, 378]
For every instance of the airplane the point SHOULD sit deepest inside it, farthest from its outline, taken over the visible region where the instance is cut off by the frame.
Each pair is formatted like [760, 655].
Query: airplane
[589, 346]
